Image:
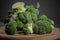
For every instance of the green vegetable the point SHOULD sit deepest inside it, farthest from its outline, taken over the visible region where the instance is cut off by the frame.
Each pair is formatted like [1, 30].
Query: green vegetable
[11, 28]
[42, 27]
[19, 25]
[33, 11]
[28, 28]
[28, 17]
[51, 22]
[18, 7]
[25, 18]
[21, 17]
[43, 17]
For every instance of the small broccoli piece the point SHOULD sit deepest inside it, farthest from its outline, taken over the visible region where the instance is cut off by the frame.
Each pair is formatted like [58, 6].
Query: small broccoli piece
[43, 17]
[35, 28]
[33, 11]
[51, 22]
[28, 28]
[11, 27]
[28, 17]
[18, 7]
[19, 25]
[22, 17]
[42, 27]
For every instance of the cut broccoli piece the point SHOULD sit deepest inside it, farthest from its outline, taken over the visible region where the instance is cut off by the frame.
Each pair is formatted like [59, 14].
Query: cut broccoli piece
[42, 27]
[28, 17]
[33, 11]
[11, 28]
[18, 7]
[28, 28]
[43, 17]
[19, 25]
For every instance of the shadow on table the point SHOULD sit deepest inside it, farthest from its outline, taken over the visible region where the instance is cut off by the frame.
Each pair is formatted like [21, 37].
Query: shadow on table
[57, 39]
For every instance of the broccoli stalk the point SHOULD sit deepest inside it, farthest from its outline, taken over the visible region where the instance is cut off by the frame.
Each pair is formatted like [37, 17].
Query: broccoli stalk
[28, 28]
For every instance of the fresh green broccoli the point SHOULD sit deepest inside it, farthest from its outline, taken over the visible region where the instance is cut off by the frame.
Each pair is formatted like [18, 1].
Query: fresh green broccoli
[19, 24]
[28, 28]
[51, 22]
[18, 7]
[11, 27]
[21, 17]
[43, 17]
[33, 11]
[42, 27]
[28, 17]
[25, 18]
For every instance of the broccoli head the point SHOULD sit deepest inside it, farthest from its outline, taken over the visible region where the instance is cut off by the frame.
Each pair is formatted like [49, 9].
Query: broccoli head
[18, 7]
[42, 27]
[28, 28]
[19, 24]
[33, 11]
[11, 27]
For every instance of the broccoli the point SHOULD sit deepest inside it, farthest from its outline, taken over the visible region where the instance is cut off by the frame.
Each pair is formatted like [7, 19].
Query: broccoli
[51, 22]
[28, 28]
[42, 27]
[25, 18]
[28, 17]
[11, 27]
[45, 18]
[18, 7]
[19, 24]
[33, 11]
[22, 17]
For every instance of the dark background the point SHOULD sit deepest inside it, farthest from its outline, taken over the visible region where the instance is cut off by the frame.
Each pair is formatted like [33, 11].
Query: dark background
[49, 7]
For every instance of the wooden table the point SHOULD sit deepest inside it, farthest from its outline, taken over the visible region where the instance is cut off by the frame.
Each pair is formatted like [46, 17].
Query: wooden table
[55, 35]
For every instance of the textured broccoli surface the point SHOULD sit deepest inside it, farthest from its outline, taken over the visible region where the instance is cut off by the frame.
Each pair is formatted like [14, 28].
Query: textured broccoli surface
[33, 11]
[28, 28]
[25, 18]
[18, 7]
[42, 27]
[11, 28]
[19, 24]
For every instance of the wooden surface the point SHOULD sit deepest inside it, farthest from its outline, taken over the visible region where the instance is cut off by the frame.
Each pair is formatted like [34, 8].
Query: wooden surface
[55, 35]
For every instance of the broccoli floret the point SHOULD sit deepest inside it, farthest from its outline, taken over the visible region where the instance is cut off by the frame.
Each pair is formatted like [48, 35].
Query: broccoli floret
[28, 17]
[18, 7]
[33, 11]
[11, 27]
[25, 18]
[21, 17]
[43, 17]
[42, 27]
[28, 28]
[19, 24]
[51, 22]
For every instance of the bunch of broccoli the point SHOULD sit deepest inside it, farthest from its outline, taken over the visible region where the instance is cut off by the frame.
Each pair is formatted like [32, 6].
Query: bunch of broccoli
[25, 18]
